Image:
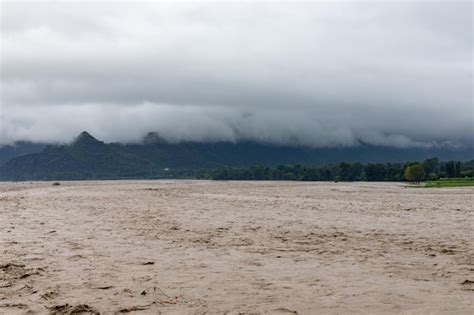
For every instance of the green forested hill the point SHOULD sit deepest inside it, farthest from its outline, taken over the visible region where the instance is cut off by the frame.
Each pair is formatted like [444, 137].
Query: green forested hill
[89, 158]
[8, 152]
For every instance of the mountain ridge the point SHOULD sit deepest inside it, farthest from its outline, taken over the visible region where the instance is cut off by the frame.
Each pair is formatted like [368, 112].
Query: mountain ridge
[89, 158]
[10, 151]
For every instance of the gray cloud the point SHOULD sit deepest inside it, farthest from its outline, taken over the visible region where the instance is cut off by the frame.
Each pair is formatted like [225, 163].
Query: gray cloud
[318, 74]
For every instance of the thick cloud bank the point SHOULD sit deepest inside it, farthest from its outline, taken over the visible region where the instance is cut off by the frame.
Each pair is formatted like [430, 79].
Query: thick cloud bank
[317, 74]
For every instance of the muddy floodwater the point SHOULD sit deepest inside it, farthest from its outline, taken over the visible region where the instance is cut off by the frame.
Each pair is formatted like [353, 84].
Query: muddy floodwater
[199, 247]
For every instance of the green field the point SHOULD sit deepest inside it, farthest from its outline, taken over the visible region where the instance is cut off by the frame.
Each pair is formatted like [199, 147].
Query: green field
[450, 182]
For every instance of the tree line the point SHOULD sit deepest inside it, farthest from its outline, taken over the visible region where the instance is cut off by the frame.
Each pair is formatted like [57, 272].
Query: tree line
[430, 169]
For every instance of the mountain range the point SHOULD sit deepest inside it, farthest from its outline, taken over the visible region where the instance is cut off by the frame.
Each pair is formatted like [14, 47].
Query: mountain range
[20, 148]
[88, 158]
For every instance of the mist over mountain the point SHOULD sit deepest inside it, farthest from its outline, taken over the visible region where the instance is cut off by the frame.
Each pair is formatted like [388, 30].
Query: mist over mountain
[324, 74]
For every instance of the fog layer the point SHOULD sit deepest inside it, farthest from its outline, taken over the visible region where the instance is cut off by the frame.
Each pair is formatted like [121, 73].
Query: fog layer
[316, 74]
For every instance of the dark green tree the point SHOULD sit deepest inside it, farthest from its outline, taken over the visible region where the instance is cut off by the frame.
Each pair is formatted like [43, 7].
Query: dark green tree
[431, 167]
[375, 172]
[414, 173]
[345, 173]
[394, 171]
[450, 169]
[457, 169]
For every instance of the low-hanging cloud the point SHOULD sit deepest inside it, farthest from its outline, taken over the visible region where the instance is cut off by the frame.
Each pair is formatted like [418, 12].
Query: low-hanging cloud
[317, 74]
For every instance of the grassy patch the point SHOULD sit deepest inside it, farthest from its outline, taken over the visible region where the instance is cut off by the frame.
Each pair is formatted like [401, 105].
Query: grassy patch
[450, 182]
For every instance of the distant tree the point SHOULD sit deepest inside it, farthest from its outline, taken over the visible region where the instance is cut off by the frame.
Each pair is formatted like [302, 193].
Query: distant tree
[431, 167]
[325, 174]
[394, 171]
[345, 171]
[310, 174]
[258, 172]
[375, 172]
[457, 169]
[357, 171]
[223, 174]
[350, 172]
[450, 169]
[414, 173]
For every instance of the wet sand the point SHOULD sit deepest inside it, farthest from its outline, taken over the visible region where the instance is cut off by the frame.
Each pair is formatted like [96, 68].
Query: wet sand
[197, 247]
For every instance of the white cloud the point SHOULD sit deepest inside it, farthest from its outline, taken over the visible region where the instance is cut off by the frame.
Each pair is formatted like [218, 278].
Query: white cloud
[319, 74]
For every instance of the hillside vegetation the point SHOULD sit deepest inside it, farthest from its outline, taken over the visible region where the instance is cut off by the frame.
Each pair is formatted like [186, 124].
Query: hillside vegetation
[89, 158]
[432, 171]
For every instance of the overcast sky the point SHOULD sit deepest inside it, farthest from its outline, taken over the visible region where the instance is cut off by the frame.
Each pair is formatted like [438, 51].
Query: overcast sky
[317, 74]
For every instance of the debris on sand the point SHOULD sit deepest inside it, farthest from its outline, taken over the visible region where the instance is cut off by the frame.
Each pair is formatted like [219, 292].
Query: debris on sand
[14, 305]
[11, 271]
[135, 308]
[56, 184]
[468, 285]
[285, 310]
[72, 310]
